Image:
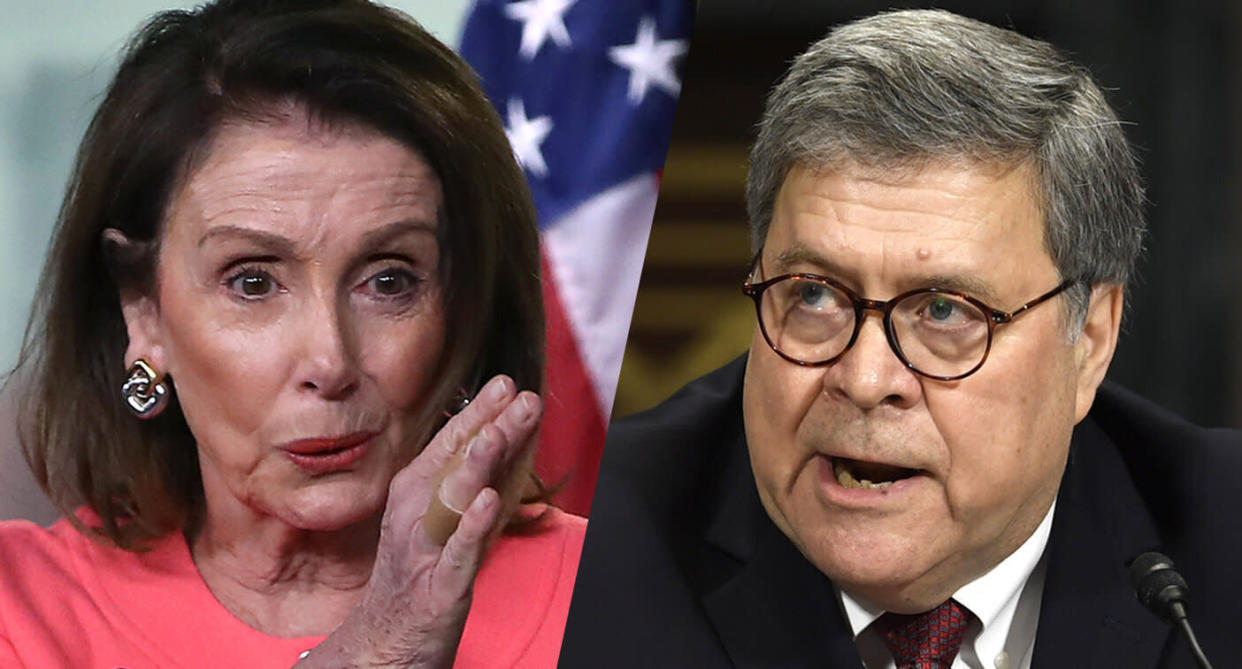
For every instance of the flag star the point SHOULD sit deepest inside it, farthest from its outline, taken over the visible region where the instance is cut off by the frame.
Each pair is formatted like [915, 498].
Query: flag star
[649, 60]
[540, 19]
[525, 135]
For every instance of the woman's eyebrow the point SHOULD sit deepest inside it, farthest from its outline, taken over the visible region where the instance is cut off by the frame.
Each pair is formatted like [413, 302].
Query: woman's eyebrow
[377, 238]
[277, 244]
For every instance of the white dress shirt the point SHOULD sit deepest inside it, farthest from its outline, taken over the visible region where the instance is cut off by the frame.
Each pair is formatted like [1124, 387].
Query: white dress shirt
[1005, 604]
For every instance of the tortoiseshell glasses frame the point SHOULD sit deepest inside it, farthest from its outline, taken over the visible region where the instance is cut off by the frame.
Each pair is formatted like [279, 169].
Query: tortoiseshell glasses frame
[915, 305]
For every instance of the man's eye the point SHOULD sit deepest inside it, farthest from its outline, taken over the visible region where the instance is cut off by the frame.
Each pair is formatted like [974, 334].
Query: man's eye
[815, 295]
[252, 284]
[945, 311]
[941, 309]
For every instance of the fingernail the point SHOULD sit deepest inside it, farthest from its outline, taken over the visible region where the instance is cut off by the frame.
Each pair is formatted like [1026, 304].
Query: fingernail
[497, 388]
[529, 405]
[487, 498]
[447, 504]
[481, 445]
[472, 444]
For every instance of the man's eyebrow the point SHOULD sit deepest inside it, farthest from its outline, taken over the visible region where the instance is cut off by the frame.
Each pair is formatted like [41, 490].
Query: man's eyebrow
[972, 286]
[274, 243]
[800, 254]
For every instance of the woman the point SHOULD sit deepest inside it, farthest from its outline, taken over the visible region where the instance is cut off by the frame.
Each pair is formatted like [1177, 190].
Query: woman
[295, 242]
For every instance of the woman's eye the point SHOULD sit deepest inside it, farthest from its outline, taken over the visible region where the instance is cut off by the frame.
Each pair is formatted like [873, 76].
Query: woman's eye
[392, 283]
[252, 284]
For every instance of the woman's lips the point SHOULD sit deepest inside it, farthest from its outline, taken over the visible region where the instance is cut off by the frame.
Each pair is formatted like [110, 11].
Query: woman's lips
[328, 454]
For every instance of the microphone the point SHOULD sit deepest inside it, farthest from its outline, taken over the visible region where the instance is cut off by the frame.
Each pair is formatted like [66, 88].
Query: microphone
[1164, 592]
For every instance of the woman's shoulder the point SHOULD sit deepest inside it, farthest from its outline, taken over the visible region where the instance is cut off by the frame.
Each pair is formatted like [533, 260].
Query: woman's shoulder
[42, 586]
[547, 544]
[34, 551]
[46, 571]
[522, 593]
[543, 527]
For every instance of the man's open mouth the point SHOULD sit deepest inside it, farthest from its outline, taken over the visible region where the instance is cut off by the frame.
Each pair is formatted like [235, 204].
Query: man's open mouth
[862, 474]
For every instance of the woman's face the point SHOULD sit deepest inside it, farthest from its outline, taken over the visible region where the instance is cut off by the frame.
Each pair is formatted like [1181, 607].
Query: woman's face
[299, 315]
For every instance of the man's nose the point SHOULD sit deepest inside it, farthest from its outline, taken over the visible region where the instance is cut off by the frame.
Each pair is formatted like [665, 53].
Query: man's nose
[870, 374]
[329, 367]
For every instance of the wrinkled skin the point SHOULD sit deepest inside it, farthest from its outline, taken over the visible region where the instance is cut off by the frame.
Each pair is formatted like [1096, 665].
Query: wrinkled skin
[298, 304]
[989, 449]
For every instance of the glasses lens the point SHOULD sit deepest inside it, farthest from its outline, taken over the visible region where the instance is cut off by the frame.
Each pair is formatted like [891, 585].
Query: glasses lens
[940, 334]
[807, 319]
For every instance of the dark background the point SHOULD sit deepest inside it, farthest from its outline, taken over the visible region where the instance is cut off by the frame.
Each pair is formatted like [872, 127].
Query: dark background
[1170, 72]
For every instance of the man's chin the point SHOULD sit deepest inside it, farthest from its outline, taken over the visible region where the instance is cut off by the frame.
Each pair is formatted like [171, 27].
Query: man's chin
[883, 570]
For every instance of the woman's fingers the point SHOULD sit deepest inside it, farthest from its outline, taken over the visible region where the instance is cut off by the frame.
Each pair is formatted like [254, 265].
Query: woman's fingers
[442, 511]
[466, 473]
[413, 490]
[491, 400]
[485, 461]
[460, 559]
[520, 421]
[488, 456]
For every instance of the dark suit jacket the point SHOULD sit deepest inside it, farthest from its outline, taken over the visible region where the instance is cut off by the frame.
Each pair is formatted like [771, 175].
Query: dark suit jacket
[683, 568]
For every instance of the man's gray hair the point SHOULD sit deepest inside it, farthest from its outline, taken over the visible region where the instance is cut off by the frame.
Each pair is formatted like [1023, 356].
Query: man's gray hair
[903, 89]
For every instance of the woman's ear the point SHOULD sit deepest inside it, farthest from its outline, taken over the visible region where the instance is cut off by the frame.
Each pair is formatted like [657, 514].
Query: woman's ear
[139, 308]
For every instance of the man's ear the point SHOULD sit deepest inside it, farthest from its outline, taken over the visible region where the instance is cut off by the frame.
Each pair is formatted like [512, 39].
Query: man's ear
[1094, 348]
[139, 308]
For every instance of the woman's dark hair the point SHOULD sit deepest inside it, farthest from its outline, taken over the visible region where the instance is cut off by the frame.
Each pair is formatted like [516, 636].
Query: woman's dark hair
[182, 76]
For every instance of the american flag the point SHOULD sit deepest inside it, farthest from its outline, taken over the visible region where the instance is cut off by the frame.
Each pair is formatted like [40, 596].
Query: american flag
[587, 91]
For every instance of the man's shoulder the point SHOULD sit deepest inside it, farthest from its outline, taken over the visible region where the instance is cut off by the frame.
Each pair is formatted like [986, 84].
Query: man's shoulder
[1189, 477]
[669, 476]
[1180, 468]
[673, 450]
[1141, 478]
[1126, 415]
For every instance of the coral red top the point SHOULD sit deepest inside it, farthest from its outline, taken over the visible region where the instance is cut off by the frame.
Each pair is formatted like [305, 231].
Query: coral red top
[68, 601]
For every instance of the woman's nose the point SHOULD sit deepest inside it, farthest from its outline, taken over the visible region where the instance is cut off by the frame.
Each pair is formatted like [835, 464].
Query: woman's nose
[330, 367]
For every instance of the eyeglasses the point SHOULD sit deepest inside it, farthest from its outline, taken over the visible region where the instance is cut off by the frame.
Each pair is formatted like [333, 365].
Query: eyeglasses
[812, 320]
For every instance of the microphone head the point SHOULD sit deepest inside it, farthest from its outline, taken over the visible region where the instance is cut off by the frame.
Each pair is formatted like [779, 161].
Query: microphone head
[1158, 585]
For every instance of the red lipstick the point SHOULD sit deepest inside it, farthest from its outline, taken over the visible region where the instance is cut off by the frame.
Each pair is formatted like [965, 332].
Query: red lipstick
[328, 454]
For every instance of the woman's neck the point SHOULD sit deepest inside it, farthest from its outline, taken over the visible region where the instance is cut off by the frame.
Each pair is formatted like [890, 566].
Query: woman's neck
[281, 580]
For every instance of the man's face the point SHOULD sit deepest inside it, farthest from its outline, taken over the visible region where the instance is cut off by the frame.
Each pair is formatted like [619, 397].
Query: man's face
[987, 451]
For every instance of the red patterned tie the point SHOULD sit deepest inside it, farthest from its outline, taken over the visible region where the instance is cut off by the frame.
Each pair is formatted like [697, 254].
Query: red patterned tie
[925, 640]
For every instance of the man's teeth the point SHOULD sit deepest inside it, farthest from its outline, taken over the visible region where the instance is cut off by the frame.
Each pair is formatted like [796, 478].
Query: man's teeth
[847, 480]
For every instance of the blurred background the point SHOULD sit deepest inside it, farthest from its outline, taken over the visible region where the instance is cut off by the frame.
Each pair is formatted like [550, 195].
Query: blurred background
[1170, 70]
[55, 60]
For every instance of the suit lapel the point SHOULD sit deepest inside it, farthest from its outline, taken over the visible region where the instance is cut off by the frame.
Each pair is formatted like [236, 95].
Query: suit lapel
[1089, 616]
[780, 611]
[776, 609]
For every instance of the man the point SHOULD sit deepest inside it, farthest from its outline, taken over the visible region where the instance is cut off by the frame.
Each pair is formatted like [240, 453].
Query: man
[912, 466]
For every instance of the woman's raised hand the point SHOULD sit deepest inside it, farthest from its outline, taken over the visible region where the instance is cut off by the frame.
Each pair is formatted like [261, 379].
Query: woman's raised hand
[415, 604]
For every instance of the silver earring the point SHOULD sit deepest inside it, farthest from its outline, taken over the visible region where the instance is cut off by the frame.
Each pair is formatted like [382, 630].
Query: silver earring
[144, 391]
